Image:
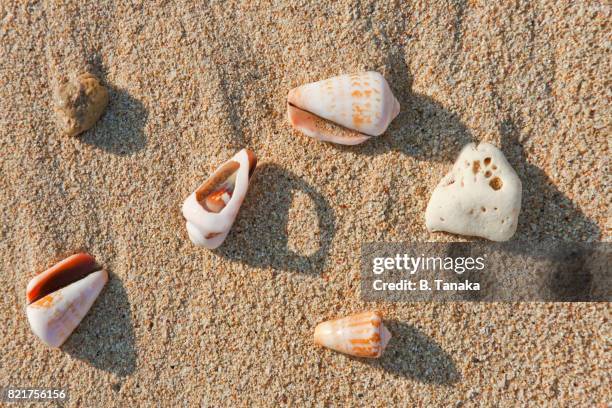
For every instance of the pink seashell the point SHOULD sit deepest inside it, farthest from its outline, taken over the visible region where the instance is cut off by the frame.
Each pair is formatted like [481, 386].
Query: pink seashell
[360, 335]
[347, 109]
[61, 296]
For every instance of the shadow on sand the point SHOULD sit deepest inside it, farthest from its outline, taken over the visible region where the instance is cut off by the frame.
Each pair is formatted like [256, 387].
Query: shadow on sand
[120, 130]
[105, 338]
[423, 129]
[259, 236]
[414, 355]
[550, 213]
[543, 271]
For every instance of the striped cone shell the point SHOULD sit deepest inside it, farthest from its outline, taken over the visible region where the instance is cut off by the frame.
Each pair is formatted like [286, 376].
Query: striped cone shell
[346, 109]
[360, 335]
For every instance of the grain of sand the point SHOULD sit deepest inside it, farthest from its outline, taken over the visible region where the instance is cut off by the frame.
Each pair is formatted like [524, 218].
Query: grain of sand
[191, 84]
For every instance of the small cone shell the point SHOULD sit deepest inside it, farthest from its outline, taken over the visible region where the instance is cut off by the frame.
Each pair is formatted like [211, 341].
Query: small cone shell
[360, 335]
[55, 316]
[347, 109]
[210, 211]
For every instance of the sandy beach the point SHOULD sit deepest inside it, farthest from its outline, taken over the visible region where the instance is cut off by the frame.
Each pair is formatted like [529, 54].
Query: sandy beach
[191, 84]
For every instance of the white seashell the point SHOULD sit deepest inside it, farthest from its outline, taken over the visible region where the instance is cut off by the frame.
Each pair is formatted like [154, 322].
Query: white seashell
[362, 105]
[53, 316]
[361, 335]
[211, 210]
[481, 196]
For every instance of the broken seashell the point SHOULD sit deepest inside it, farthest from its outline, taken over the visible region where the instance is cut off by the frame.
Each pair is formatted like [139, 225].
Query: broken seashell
[61, 296]
[79, 103]
[346, 109]
[211, 210]
[361, 335]
[481, 196]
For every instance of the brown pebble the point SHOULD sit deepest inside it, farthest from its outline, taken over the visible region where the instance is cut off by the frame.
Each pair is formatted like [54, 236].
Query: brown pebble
[79, 102]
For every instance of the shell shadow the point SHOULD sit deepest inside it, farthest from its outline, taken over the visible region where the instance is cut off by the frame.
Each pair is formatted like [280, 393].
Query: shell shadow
[412, 354]
[572, 279]
[562, 271]
[546, 212]
[105, 338]
[423, 129]
[120, 130]
[259, 236]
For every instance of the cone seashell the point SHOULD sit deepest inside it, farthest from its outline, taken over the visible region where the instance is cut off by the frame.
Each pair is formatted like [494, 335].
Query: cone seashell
[346, 109]
[61, 296]
[360, 335]
[79, 102]
[210, 211]
[480, 196]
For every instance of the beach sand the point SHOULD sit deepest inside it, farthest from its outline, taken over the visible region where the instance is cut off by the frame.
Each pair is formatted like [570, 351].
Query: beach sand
[192, 84]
